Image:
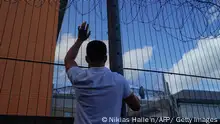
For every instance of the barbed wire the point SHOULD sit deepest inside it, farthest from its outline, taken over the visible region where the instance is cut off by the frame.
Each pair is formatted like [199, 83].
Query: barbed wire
[185, 11]
[196, 9]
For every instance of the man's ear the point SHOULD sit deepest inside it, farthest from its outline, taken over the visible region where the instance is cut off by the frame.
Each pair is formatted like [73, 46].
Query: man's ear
[105, 59]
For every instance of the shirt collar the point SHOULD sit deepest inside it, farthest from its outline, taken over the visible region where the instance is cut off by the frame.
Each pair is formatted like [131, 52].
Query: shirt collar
[99, 69]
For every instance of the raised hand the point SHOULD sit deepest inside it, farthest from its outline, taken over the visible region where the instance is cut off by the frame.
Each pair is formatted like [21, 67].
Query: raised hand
[83, 31]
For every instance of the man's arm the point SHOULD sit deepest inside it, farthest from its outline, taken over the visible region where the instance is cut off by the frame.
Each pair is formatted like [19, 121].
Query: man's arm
[133, 102]
[130, 99]
[83, 34]
[71, 55]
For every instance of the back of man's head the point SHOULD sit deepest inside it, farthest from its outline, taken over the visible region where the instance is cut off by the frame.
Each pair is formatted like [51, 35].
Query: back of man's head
[96, 52]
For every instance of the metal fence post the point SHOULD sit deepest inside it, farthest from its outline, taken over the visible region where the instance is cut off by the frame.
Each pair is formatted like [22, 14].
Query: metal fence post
[62, 10]
[114, 37]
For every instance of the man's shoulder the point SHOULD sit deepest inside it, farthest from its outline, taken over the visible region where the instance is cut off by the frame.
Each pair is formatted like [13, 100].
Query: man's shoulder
[118, 77]
[116, 74]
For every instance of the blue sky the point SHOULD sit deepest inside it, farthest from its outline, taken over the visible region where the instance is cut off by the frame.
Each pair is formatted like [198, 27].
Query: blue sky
[148, 45]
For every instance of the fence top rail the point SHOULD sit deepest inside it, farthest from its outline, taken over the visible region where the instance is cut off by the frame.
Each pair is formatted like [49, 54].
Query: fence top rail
[132, 69]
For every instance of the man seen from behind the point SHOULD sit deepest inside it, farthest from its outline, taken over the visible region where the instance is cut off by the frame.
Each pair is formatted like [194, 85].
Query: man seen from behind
[99, 92]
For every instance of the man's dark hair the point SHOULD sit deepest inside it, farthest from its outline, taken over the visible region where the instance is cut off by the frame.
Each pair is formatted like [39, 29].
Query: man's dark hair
[96, 51]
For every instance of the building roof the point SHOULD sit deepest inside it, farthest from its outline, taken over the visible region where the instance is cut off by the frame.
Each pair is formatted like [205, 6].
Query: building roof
[198, 96]
[184, 96]
[64, 90]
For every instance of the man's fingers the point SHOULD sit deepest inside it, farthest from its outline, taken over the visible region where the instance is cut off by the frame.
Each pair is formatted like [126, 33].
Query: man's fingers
[89, 34]
[83, 25]
[87, 27]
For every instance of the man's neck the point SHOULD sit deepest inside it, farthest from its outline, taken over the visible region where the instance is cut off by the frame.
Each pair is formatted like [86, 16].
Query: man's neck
[96, 65]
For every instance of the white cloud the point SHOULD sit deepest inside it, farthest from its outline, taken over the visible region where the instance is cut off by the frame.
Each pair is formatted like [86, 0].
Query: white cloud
[135, 58]
[203, 60]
